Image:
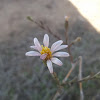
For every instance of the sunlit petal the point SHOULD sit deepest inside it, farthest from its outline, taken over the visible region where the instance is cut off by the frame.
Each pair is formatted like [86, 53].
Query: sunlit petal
[56, 61]
[43, 56]
[32, 53]
[37, 44]
[56, 45]
[61, 54]
[46, 40]
[61, 47]
[33, 47]
[49, 65]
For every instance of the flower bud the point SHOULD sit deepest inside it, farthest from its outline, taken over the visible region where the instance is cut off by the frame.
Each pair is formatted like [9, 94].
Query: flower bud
[78, 39]
[66, 22]
[66, 18]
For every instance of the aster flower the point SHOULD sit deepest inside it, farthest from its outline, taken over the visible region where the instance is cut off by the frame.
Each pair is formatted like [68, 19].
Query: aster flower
[48, 55]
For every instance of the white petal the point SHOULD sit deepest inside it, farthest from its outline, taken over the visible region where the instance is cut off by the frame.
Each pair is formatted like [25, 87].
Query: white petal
[33, 47]
[49, 65]
[46, 40]
[32, 53]
[56, 61]
[37, 44]
[43, 56]
[56, 45]
[61, 54]
[61, 47]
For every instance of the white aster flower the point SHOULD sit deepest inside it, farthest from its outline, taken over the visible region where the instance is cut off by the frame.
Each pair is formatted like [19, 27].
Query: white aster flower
[48, 54]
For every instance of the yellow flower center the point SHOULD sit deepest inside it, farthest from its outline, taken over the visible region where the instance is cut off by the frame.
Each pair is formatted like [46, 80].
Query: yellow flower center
[46, 50]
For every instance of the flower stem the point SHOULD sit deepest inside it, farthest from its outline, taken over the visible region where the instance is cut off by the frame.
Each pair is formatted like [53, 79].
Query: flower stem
[80, 77]
[54, 75]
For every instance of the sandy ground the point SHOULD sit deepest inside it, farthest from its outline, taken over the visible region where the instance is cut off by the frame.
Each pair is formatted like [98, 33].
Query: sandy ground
[90, 10]
[17, 72]
[13, 13]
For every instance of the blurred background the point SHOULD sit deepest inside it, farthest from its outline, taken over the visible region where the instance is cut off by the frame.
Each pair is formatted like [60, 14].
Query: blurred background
[26, 78]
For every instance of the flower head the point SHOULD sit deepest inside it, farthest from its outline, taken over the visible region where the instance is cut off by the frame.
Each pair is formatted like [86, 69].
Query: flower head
[48, 54]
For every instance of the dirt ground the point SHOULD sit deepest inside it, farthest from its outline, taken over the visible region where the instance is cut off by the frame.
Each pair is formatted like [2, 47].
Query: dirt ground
[21, 77]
